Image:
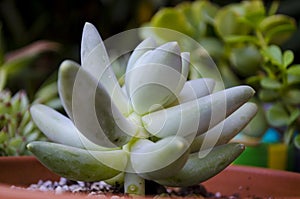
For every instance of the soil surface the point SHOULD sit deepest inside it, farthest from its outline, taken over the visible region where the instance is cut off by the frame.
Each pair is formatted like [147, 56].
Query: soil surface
[102, 189]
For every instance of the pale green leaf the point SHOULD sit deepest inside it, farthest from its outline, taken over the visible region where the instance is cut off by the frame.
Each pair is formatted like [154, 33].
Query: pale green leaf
[269, 83]
[288, 58]
[277, 116]
[294, 70]
[274, 54]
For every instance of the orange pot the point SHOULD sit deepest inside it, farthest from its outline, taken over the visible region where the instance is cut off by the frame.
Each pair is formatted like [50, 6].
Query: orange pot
[242, 180]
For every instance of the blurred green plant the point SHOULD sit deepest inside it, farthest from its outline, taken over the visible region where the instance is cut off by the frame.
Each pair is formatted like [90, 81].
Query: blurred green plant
[16, 126]
[244, 39]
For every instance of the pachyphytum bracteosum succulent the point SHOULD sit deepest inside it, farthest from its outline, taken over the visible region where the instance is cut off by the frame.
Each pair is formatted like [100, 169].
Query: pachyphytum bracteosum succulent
[152, 128]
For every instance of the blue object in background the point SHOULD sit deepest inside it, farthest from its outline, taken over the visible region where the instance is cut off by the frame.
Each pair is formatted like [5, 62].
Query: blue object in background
[271, 136]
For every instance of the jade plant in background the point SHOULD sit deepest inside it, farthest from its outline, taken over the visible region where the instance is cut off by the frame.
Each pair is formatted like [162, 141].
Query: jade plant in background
[16, 127]
[244, 39]
[157, 127]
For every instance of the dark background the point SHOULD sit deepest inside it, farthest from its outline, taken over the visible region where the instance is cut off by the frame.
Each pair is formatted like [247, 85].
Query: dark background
[26, 21]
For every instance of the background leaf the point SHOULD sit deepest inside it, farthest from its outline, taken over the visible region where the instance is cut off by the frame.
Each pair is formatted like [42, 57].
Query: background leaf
[269, 83]
[277, 116]
[273, 53]
[292, 96]
[268, 95]
[277, 28]
[172, 19]
[297, 141]
[294, 70]
[288, 58]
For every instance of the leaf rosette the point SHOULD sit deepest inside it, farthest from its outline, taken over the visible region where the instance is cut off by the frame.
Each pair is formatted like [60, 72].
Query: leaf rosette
[150, 128]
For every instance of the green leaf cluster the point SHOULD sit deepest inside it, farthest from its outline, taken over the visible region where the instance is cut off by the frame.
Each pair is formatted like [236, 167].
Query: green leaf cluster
[244, 39]
[16, 126]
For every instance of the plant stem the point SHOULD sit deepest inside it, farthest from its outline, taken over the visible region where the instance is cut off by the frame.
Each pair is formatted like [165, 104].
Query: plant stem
[262, 41]
[134, 184]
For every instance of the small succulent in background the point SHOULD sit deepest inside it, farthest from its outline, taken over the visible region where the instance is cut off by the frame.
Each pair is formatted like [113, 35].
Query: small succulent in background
[16, 127]
[158, 126]
[244, 39]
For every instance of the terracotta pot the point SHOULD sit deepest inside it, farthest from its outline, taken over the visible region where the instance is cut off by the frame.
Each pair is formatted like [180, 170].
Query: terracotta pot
[242, 180]
[23, 170]
[255, 181]
[270, 155]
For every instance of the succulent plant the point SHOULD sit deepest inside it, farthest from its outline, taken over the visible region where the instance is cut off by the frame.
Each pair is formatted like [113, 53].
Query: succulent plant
[16, 127]
[158, 126]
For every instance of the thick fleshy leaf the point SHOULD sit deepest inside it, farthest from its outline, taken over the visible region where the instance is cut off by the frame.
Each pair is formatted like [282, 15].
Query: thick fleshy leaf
[197, 116]
[223, 132]
[59, 128]
[87, 98]
[79, 164]
[196, 88]
[149, 94]
[90, 39]
[66, 78]
[167, 54]
[96, 63]
[142, 48]
[161, 159]
[154, 78]
[197, 169]
[185, 59]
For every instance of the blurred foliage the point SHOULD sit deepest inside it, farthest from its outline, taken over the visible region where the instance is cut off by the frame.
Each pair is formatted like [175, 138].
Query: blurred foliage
[27, 21]
[24, 22]
[246, 41]
[16, 127]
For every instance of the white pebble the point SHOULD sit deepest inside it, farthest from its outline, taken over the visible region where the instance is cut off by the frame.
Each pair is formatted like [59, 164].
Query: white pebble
[59, 190]
[62, 181]
[80, 183]
[65, 188]
[218, 194]
[40, 182]
[43, 188]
